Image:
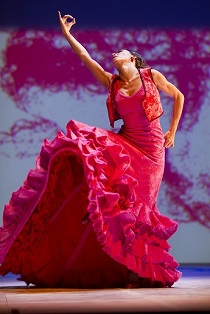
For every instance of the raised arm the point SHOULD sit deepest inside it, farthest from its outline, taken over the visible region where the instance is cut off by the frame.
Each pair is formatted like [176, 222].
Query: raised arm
[95, 68]
[168, 88]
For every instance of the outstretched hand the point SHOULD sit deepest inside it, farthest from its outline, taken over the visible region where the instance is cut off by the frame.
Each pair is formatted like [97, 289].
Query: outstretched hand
[65, 25]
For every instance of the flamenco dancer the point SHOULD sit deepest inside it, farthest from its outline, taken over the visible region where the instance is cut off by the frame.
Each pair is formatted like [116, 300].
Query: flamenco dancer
[87, 216]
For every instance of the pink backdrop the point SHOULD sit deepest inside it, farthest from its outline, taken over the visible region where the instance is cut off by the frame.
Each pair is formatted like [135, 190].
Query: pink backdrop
[43, 85]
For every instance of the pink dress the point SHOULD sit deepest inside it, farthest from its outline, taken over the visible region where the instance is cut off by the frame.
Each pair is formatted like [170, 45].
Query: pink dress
[87, 213]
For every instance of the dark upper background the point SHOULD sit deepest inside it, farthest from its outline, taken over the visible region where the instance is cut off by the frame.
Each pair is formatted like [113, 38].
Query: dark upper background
[107, 13]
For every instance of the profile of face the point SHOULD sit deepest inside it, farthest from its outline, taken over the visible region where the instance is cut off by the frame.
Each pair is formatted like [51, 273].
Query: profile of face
[121, 57]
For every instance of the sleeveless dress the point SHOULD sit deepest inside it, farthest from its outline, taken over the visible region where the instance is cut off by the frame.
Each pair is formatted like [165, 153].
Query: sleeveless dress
[86, 216]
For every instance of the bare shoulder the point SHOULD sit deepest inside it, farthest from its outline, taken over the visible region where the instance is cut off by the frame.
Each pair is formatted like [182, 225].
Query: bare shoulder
[109, 77]
[158, 76]
[163, 84]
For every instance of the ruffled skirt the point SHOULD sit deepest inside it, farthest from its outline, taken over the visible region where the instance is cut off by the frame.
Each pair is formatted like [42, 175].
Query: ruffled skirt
[86, 216]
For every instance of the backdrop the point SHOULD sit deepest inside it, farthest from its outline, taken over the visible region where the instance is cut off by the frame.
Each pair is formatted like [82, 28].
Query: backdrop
[44, 85]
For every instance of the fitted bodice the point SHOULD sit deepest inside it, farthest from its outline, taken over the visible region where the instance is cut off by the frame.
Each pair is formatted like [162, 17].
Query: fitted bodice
[136, 128]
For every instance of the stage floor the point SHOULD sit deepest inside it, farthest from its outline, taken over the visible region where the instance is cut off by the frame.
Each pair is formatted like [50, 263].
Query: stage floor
[190, 294]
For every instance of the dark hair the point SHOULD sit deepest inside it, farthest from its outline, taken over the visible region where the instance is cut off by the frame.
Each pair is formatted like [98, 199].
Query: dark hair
[140, 61]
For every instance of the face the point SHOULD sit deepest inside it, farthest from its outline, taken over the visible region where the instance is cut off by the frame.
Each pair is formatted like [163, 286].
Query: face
[121, 57]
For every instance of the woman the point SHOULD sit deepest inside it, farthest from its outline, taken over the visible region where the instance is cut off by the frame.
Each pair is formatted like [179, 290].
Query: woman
[86, 217]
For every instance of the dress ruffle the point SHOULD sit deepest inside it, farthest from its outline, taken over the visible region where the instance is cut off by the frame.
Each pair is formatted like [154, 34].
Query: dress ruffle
[81, 218]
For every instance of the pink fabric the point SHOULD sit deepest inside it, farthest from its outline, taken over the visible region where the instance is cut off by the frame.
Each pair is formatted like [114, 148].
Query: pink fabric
[150, 103]
[91, 175]
[110, 102]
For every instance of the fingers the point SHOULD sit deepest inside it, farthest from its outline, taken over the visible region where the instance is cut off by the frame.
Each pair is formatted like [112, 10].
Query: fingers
[169, 139]
[66, 16]
[168, 144]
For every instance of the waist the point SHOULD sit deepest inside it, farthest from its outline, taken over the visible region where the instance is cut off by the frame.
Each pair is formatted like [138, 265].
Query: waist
[149, 137]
